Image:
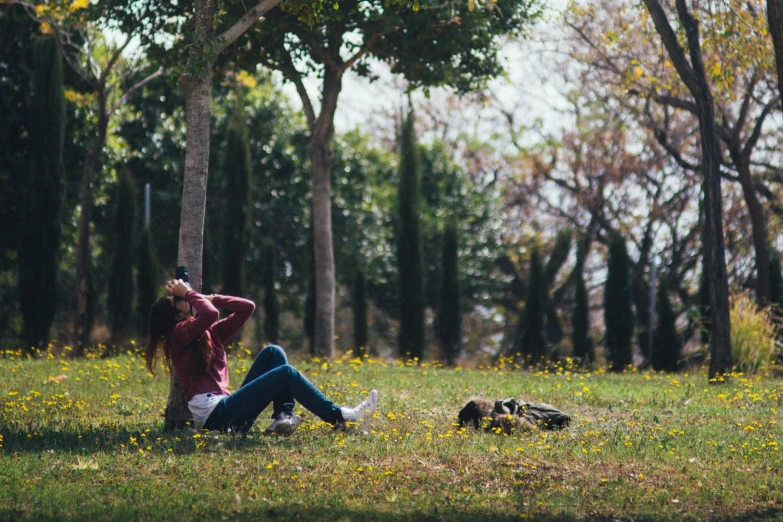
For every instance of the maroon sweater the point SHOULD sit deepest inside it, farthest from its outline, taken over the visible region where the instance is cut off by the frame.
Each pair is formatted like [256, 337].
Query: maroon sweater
[183, 341]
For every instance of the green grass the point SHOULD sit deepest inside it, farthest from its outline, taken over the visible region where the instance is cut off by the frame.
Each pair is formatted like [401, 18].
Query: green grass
[642, 446]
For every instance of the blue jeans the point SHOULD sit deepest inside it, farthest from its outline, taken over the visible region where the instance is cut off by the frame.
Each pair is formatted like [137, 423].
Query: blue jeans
[270, 380]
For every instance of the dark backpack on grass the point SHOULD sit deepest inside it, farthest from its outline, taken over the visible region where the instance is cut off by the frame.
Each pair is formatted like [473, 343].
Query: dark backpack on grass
[508, 415]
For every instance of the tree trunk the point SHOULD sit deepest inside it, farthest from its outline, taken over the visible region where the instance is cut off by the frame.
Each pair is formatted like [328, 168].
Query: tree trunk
[715, 260]
[695, 78]
[720, 344]
[197, 91]
[196, 85]
[321, 158]
[775, 20]
[83, 320]
[758, 226]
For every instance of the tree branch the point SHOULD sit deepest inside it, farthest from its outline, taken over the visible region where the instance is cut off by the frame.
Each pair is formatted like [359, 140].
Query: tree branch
[774, 202]
[231, 34]
[110, 64]
[663, 141]
[134, 88]
[754, 136]
[744, 108]
[669, 39]
[363, 51]
[318, 50]
[292, 75]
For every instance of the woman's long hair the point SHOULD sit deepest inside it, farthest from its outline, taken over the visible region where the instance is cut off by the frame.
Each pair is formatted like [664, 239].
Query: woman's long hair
[163, 317]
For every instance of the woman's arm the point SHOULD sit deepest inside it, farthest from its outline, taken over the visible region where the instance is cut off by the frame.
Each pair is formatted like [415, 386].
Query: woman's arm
[185, 332]
[241, 310]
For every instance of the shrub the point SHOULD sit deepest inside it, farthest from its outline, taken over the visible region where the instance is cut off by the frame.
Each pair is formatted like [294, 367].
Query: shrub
[753, 335]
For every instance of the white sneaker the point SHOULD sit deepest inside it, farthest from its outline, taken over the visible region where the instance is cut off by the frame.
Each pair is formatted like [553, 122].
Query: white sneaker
[363, 411]
[284, 424]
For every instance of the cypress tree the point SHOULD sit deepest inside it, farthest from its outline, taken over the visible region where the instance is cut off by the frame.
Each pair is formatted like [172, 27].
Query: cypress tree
[146, 278]
[271, 308]
[236, 172]
[775, 277]
[667, 346]
[42, 196]
[449, 319]
[618, 302]
[409, 248]
[359, 301]
[534, 337]
[582, 342]
[120, 298]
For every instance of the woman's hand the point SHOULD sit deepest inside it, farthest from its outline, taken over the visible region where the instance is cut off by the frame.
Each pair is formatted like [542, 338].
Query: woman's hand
[177, 287]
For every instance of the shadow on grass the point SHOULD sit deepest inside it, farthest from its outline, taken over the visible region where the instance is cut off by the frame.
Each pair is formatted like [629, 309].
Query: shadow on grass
[319, 513]
[117, 439]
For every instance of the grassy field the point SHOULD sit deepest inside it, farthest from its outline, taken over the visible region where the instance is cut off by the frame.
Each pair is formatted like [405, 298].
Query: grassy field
[642, 446]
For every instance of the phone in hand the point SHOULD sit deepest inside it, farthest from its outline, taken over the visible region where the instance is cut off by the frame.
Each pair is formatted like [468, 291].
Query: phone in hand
[182, 273]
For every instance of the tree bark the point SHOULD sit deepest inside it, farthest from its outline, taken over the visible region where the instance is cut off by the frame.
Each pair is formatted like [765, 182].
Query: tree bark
[321, 158]
[775, 20]
[197, 91]
[758, 225]
[83, 320]
[695, 78]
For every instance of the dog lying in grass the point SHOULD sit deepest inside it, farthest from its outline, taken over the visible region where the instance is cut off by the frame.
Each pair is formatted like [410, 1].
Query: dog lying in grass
[511, 416]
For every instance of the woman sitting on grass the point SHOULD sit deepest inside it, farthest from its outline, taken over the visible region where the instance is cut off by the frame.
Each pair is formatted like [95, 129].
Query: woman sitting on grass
[186, 324]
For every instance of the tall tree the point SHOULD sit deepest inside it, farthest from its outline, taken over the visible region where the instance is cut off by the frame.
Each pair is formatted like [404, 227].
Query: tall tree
[432, 44]
[359, 302]
[271, 307]
[449, 317]
[120, 298]
[42, 195]
[236, 173]
[581, 340]
[409, 248]
[694, 76]
[667, 345]
[533, 341]
[618, 306]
